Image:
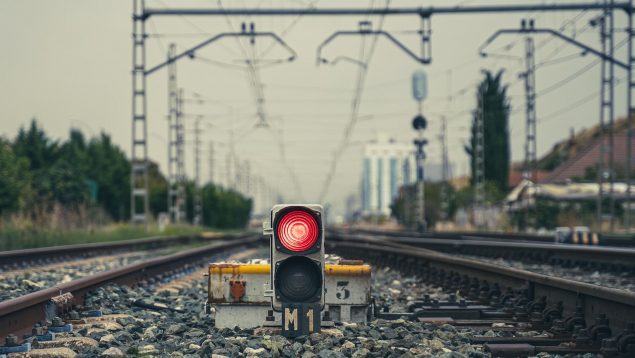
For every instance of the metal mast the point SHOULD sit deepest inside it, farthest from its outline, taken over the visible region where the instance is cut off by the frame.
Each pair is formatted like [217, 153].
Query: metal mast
[198, 199]
[173, 139]
[479, 161]
[631, 112]
[445, 171]
[211, 162]
[139, 205]
[529, 172]
[180, 158]
[607, 95]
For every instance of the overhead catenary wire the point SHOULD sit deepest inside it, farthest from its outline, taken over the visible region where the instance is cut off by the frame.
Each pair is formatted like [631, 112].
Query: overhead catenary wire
[355, 104]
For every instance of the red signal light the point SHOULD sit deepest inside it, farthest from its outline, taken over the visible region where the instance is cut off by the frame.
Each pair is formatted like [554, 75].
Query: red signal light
[298, 231]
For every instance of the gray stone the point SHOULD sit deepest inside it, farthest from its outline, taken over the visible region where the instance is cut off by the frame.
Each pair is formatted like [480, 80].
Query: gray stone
[361, 353]
[390, 334]
[327, 353]
[148, 349]
[251, 352]
[176, 329]
[195, 332]
[113, 352]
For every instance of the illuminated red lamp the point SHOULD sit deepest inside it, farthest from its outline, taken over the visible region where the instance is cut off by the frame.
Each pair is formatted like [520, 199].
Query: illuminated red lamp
[298, 231]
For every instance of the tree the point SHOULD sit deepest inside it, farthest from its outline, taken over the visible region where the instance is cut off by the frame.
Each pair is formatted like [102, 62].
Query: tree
[224, 209]
[110, 169]
[158, 187]
[403, 207]
[14, 179]
[493, 101]
[34, 145]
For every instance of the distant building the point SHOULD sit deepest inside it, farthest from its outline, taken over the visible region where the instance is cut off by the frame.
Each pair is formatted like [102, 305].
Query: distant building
[388, 165]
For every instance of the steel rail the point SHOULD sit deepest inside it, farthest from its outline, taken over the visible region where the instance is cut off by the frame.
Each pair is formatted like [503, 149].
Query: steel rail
[618, 305]
[26, 255]
[600, 254]
[421, 11]
[18, 315]
[606, 240]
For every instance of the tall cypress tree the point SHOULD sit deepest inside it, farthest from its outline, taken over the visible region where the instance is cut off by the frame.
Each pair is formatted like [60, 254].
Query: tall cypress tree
[492, 98]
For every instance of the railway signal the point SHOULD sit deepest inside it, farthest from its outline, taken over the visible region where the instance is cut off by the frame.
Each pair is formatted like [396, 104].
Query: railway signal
[297, 266]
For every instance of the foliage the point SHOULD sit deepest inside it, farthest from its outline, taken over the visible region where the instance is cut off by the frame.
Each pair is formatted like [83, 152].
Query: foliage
[110, 169]
[493, 102]
[47, 184]
[549, 214]
[464, 198]
[224, 208]
[14, 236]
[13, 179]
[403, 207]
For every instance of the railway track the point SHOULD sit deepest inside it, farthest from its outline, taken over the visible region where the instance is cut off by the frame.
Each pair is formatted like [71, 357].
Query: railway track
[19, 315]
[578, 317]
[440, 303]
[606, 240]
[615, 258]
[23, 258]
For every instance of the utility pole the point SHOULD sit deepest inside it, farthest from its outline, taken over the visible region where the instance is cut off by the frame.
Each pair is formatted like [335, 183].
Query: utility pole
[228, 174]
[198, 200]
[419, 123]
[173, 135]
[139, 203]
[529, 170]
[630, 103]
[605, 168]
[479, 161]
[180, 161]
[445, 171]
[246, 178]
[211, 162]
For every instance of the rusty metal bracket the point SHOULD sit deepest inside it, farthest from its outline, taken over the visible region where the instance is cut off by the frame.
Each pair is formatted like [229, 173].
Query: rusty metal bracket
[237, 289]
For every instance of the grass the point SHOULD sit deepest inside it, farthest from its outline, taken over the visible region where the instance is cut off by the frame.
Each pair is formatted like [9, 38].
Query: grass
[12, 238]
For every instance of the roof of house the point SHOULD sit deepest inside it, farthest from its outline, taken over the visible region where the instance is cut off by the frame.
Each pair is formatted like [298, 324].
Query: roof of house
[589, 156]
[516, 176]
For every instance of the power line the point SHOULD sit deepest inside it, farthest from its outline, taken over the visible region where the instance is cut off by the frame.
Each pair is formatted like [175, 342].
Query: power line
[355, 104]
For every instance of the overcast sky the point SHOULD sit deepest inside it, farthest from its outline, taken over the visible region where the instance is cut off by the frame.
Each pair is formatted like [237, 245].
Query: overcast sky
[68, 64]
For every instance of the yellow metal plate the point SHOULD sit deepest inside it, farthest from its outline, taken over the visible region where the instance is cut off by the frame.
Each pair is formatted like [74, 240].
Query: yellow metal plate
[265, 269]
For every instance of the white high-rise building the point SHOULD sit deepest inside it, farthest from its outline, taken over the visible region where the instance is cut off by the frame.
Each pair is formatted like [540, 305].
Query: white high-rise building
[387, 166]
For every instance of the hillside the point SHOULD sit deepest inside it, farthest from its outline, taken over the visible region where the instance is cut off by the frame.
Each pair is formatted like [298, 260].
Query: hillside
[569, 147]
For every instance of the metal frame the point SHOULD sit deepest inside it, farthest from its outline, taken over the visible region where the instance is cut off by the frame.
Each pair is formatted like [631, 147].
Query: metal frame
[421, 11]
[530, 110]
[176, 188]
[139, 201]
[607, 91]
[139, 179]
[191, 53]
[176, 132]
[426, 49]
[445, 171]
[607, 100]
[198, 194]
[631, 111]
[479, 164]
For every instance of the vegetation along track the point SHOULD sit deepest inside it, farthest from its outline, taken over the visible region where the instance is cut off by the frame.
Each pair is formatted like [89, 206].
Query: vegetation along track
[18, 315]
[588, 316]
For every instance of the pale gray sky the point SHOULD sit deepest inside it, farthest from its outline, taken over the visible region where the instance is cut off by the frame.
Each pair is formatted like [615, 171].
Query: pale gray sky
[68, 63]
